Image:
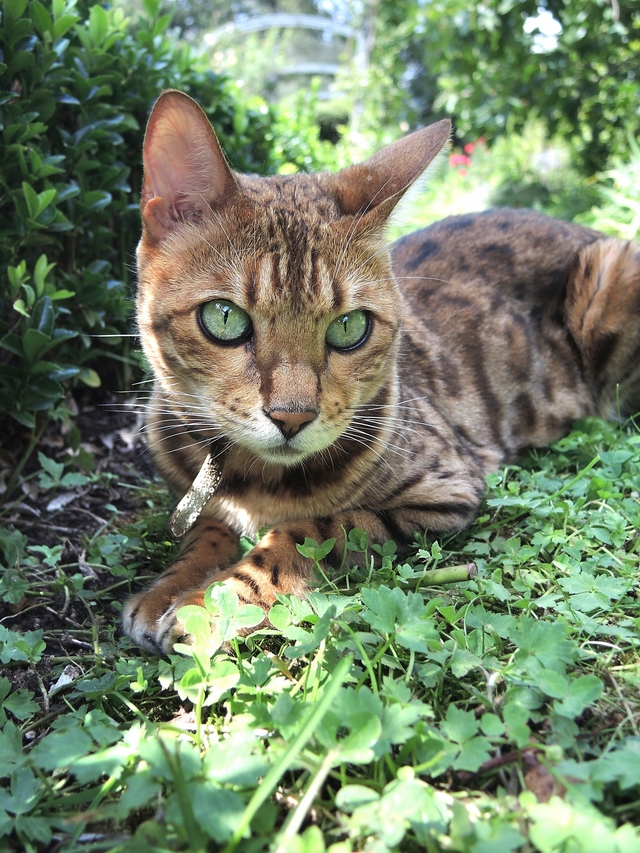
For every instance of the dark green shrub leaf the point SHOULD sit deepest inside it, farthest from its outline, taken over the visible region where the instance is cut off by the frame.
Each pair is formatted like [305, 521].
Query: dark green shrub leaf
[89, 377]
[151, 8]
[13, 343]
[42, 317]
[14, 8]
[36, 343]
[63, 25]
[31, 197]
[41, 17]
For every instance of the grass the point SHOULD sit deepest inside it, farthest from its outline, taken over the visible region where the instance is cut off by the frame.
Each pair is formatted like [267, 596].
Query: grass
[383, 713]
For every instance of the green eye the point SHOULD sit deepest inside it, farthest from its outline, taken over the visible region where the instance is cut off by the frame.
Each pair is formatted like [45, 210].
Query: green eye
[348, 330]
[225, 322]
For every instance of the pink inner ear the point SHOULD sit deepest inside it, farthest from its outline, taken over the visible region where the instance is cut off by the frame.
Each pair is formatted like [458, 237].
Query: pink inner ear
[183, 162]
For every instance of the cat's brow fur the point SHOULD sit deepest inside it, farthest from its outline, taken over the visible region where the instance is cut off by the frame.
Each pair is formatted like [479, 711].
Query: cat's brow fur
[490, 333]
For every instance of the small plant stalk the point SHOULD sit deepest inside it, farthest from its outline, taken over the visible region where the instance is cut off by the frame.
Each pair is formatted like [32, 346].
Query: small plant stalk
[15, 474]
[310, 724]
[297, 816]
[452, 574]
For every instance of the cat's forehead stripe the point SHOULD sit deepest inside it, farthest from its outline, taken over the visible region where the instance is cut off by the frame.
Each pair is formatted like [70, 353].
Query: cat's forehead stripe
[300, 279]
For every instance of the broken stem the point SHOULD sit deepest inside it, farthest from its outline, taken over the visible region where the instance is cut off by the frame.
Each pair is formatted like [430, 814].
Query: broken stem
[451, 574]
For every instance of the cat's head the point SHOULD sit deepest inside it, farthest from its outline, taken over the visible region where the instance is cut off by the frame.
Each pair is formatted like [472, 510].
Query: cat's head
[267, 307]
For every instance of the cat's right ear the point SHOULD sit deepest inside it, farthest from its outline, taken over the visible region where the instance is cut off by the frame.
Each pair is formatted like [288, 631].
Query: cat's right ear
[185, 171]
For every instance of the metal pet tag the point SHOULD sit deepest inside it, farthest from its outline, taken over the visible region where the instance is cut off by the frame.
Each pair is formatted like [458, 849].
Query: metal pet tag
[203, 487]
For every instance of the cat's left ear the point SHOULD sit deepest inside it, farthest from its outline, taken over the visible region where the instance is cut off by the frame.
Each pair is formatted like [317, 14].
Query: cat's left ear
[372, 189]
[185, 171]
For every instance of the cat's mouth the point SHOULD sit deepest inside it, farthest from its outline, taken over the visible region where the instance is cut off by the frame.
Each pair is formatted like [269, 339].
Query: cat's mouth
[274, 448]
[285, 454]
[289, 452]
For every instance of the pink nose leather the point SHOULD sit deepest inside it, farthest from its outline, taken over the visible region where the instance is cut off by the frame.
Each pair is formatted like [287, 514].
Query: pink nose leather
[290, 423]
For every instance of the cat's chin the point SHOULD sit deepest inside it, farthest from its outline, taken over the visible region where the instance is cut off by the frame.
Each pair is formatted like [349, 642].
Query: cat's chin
[285, 456]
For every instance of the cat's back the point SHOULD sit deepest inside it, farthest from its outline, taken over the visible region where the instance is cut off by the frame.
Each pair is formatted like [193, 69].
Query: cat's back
[484, 331]
[521, 253]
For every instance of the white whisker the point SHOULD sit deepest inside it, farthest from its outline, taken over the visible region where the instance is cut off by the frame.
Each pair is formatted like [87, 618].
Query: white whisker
[354, 432]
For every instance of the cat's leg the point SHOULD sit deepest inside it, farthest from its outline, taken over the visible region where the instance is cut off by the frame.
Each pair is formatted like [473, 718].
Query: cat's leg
[273, 566]
[603, 315]
[208, 547]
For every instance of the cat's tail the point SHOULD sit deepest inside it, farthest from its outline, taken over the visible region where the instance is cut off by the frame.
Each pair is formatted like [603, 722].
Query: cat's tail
[603, 315]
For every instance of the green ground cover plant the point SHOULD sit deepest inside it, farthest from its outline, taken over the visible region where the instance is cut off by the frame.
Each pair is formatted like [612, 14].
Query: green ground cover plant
[382, 713]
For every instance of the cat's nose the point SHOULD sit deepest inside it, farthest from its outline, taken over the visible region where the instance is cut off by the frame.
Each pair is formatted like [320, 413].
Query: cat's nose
[290, 423]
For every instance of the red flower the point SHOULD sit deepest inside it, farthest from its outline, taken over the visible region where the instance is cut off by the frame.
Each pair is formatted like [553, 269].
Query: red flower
[471, 146]
[459, 160]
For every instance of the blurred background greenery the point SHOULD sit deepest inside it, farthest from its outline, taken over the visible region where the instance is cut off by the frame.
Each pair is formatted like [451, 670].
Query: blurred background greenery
[543, 94]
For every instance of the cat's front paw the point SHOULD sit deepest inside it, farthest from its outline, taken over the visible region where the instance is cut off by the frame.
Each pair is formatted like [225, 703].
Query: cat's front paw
[150, 619]
[274, 566]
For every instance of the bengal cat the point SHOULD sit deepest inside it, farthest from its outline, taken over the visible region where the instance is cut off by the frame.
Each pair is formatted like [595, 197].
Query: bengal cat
[333, 382]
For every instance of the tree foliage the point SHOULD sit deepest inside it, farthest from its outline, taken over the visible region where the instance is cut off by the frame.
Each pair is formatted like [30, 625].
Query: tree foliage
[489, 66]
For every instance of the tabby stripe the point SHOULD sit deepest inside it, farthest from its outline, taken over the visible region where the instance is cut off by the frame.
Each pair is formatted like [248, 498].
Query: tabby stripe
[169, 573]
[181, 558]
[218, 528]
[314, 278]
[634, 362]
[250, 289]
[256, 558]
[526, 416]
[337, 297]
[325, 528]
[475, 361]
[357, 446]
[275, 272]
[442, 508]
[373, 353]
[396, 532]
[249, 581]
[603, 349]
[188, 549]
[427, 249]
[297, 537]
[471, 448]
[591, 298]
[406, 484]
[172, 361]
[134, 612]
[161, 326]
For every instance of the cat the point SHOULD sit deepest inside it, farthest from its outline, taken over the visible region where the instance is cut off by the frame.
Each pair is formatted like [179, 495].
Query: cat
[332, 382]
